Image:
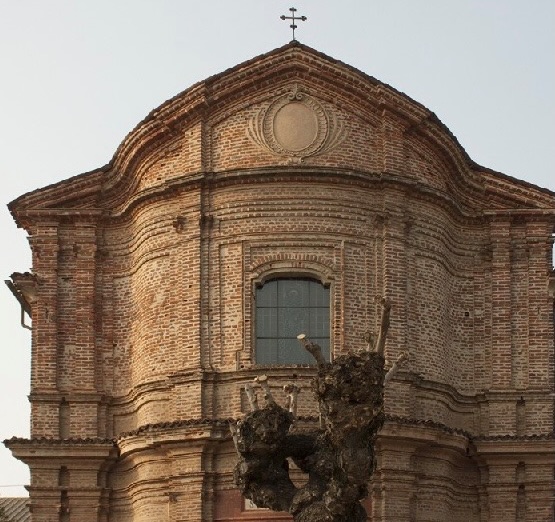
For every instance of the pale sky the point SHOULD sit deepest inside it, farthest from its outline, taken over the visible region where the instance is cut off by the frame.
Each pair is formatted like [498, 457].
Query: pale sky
[78, 75]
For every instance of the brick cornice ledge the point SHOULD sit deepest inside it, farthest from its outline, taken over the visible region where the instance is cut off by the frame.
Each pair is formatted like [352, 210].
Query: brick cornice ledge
[532, 447]
[29, 450]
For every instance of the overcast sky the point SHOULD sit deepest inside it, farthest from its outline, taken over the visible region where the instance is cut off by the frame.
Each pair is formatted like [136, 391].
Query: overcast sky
[78, 75]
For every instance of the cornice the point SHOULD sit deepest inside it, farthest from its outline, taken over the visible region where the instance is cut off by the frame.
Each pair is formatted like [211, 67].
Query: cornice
[508, 449]
[48, 441]
[365, 179]
[297, 174]
[541, 213]
[426, 423]
[59, 197]
[391, 420]
[84, 449]
[517, 438]
[224, 423]
[218, 430]
[161, 427]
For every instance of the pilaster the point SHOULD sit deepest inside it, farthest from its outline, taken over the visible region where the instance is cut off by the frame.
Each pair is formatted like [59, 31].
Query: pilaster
[501, 367]
[44, 246]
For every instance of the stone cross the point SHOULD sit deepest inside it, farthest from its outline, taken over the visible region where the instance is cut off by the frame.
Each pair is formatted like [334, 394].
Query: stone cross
[293, 19]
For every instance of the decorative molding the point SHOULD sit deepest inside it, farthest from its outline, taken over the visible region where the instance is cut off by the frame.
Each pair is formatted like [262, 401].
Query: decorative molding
[295, 125]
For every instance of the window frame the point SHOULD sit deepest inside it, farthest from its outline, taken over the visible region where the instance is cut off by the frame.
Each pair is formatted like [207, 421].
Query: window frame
[289, 275]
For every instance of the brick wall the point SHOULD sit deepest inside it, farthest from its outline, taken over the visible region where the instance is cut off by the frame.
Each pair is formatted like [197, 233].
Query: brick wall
[144, 320]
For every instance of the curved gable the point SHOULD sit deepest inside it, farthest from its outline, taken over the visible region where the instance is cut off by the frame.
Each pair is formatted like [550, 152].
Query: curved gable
[295, 107]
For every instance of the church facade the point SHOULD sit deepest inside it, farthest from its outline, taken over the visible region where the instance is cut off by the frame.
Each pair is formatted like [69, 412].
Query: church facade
[282, 196]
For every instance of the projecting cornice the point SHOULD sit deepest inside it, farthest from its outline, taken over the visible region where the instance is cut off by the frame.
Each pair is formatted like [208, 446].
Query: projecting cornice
[83, 449]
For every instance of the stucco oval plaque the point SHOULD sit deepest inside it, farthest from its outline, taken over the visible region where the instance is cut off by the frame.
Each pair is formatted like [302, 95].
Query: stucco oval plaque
[295, 126]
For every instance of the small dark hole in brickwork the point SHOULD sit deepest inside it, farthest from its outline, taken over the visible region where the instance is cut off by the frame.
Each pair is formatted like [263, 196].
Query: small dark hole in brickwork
[467, 314]
[63, 477]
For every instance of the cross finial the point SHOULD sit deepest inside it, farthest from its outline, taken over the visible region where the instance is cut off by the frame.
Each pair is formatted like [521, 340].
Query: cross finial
[293, 19]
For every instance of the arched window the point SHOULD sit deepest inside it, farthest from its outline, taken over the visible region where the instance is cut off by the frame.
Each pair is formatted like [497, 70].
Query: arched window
[286, 307]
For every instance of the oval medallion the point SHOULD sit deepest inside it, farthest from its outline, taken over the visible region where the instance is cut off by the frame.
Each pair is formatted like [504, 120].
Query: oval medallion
[295, 126]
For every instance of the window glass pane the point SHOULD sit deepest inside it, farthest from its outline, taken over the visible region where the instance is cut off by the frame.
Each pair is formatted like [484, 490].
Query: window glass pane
[319, 322]
[284, 309]
[290, 351]
[267, 295]
[293, 292]
[266, 351]
[319, 296]
[266, 322]
[292, 322]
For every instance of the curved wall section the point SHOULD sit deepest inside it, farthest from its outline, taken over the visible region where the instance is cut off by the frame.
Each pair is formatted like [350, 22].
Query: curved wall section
[185, 268]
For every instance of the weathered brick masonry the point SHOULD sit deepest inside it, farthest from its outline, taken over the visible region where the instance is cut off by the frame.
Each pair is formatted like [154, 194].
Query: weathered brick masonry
[292, 164]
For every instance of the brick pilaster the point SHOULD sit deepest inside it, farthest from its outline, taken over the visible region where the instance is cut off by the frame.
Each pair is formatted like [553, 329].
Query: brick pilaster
[501, 367]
